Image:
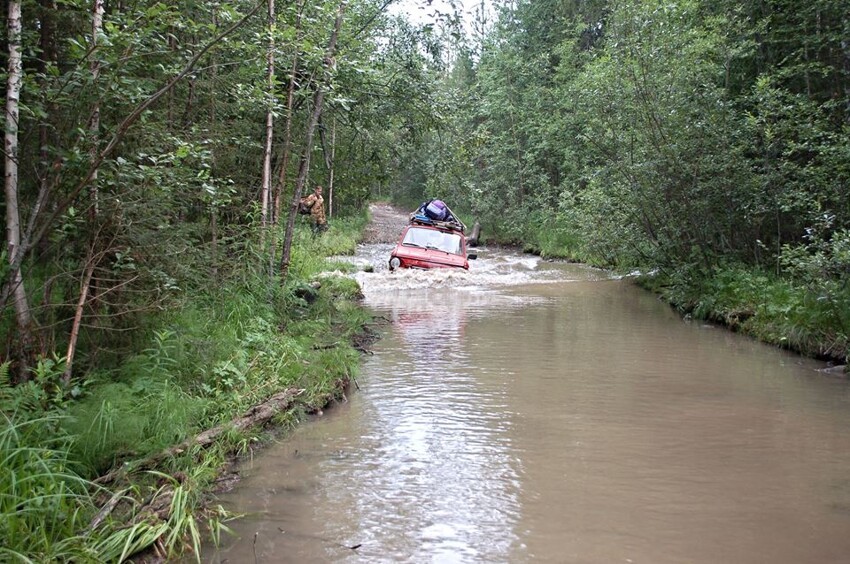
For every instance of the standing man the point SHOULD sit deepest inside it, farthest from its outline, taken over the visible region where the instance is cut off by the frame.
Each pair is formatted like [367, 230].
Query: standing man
[316, 203]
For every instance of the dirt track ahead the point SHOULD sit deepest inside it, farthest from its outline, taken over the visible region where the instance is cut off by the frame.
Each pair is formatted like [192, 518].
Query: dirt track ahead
[386, 225]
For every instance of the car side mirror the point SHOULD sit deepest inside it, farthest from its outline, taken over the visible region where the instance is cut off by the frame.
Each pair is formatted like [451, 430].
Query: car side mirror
[472, 256]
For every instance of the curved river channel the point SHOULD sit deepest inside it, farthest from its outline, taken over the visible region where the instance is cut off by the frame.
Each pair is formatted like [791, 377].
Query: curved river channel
[534, 411]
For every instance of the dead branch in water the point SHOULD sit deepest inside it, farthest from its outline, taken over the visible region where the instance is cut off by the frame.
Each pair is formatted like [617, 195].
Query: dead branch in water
[472, 240]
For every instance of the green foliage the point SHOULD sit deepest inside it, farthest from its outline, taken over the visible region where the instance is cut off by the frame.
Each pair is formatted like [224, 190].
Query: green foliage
[229, 348]
[117, 421]
[340, 238]
[555, 238]
[824, 258]
[43, 504]
[180, 530]
[759, 303]
[673, 137]
[172, 207]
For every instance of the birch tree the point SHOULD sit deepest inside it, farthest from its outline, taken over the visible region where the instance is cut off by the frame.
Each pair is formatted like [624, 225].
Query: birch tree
[304, 164]
[267, 152]
[94, 125]
[23, 315]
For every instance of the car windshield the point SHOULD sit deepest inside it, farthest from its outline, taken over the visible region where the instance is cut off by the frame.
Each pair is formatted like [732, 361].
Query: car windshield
[433, 239]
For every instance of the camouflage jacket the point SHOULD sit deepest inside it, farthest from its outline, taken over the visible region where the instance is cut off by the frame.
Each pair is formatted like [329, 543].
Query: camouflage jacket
[317, 208]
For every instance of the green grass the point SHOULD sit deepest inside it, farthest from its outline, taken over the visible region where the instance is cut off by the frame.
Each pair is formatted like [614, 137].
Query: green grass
[811, 320]
[43, 504]
[542, 233]
[228, 346]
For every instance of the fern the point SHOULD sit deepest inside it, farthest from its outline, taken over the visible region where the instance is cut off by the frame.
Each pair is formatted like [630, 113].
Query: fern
[6, 389]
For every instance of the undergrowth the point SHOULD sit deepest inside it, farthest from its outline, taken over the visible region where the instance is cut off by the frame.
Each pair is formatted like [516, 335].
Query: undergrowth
[812, 319]
[538, 232]
[229, 345]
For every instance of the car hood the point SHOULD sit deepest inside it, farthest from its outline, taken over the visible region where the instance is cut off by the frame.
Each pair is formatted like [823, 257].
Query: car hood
[430, 257]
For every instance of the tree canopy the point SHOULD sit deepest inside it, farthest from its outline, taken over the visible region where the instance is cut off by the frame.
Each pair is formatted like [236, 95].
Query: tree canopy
[155, 139]
[140, 149]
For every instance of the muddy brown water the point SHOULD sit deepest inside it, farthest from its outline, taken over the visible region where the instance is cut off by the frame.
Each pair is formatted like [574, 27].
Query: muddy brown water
[533, 411]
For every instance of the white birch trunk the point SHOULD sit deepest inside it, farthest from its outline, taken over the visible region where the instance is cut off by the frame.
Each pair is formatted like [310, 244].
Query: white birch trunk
[214, 127]
[23, 316]
[94, 124]
[267, 153]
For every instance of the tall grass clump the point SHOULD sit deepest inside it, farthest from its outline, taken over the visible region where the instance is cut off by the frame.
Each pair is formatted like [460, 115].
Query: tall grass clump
[535, 230]
[552, 237]
[124, 421]
[44, 505]
[310, 251]
[180, 500]
[812, 318]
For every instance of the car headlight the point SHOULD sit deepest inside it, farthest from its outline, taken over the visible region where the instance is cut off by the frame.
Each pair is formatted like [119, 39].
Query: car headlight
[395, 262]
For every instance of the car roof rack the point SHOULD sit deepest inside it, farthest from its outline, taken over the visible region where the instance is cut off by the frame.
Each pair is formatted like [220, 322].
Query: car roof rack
[422, 219]
[418, 219]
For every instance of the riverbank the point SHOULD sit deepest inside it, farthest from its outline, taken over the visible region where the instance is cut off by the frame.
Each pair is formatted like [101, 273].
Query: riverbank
[772, 309]
[122, 462]
[810, 317]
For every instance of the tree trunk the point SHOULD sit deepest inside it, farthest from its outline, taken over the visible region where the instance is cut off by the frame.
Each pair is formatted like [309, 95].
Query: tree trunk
[23, 315]
[331, 173]
[304, 165]
[94, 123]
[78, 318]
[94, 138]
[169, 100]
[214, 129]
[290, 101]
[472, 240]
[267, 153]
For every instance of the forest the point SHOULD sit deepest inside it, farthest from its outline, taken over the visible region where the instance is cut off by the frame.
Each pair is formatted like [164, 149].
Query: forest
[701, 145]
[156, 279]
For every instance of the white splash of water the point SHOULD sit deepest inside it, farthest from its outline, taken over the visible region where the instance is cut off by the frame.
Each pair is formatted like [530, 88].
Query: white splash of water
[492, 270]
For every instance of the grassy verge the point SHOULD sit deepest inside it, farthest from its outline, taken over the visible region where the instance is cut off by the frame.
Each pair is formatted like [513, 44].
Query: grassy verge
[813, 320]
[229, 347]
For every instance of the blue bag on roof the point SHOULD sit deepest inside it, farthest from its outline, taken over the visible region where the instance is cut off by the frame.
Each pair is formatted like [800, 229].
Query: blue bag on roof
[436, 210]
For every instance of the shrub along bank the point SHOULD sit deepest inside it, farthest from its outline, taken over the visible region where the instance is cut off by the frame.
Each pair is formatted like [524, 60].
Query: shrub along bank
[812, 318]
[682, 137]
[90, 472]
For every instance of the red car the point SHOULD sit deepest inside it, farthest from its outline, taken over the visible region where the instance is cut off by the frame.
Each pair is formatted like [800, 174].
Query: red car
[426, 244]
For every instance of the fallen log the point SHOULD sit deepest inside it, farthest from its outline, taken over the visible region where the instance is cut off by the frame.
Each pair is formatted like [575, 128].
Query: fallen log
[472, 240]
[156, 510]
[255, 416]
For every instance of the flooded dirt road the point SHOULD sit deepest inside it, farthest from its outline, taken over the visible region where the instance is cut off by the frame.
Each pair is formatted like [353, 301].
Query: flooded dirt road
[528, 411]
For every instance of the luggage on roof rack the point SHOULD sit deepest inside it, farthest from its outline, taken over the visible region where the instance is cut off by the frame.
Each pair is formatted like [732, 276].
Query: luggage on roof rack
[437, 213]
